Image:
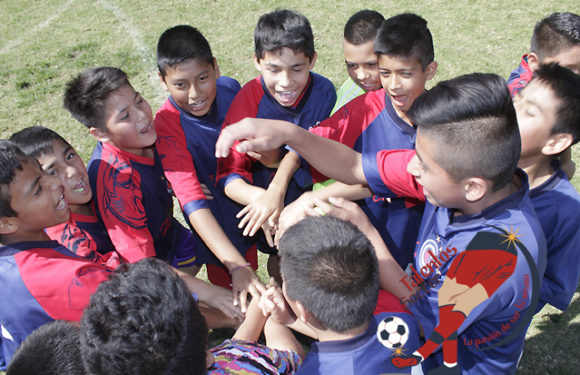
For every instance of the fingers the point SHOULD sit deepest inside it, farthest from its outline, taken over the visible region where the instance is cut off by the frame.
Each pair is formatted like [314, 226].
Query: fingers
[268, 235]
[244, 300]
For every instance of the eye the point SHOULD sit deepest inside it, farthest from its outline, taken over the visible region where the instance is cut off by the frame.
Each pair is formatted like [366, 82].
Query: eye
[297, 70]
[125, 116]
[351, 66]
[52, 172]
[179, 85]
[203, 78]
[372, 65]
[70, 156]
[385, 74]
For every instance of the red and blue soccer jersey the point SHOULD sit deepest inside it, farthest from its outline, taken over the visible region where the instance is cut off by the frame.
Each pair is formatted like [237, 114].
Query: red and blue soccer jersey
[42, 282]
[186, 146]
[86, 236]
[136, 207]
[368, 353]
[557, 205]
[369, 124]
[443, 237]
[254, 100]
[520, 77]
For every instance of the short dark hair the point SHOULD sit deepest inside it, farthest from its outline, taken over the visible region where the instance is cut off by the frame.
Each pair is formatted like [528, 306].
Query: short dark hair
[473, 121]
[331, 268]
[283, 28]
[362, 26]
[555, 33]
[181, 43]
[36, 141]
[143, 321]
[86, 94]
[406, 36]
[11, 160]
[565, 86]
[51, 349]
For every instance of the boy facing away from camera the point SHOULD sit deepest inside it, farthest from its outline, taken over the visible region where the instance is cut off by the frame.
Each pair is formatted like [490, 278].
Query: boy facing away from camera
[126, 330]
[131, 192]
[555, 39]
[83, 233]
[286, 90]
[188, 125]
[464, 167]
[548, 111]
[330, 288]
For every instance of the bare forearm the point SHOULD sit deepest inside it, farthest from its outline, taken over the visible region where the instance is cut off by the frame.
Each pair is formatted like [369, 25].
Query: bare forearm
[252, 326]
[242, 192]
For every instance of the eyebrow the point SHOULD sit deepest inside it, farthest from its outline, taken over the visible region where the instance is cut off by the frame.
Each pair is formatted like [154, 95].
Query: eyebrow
[125, 108]
[32, 186]
[291, 66]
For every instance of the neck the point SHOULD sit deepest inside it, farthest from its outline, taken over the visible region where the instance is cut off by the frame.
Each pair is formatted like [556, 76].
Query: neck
[328, 335]
[81, 209]
[538, 170]
[491, 198]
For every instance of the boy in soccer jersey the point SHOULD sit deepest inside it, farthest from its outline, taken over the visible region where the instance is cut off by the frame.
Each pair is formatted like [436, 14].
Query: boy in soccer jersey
[188, 125]
[330, 289]
[554, 39]
[41, 280]
[158, 341]
[548, 111]
[131, 192]
[378, 121]
[83, 233]
[465, 170]
[285, 90]
[361, 61]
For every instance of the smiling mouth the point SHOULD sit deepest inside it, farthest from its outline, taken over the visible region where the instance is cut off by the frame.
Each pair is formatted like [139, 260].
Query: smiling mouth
[80, 186]
[61, 203]
[198, 105]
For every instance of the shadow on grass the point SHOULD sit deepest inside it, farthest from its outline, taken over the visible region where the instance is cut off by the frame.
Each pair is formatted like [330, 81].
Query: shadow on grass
[553, 348]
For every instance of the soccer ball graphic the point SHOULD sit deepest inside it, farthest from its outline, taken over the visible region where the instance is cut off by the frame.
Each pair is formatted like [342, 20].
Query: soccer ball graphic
[393, 332]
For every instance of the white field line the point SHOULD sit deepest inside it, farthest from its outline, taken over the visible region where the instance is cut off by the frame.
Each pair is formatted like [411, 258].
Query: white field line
[13, 43]
[147, 55]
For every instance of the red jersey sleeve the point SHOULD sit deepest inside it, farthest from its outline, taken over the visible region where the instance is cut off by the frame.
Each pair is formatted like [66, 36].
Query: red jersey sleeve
[176, 159]
[245, 104]
[386, 173]
[122, 211]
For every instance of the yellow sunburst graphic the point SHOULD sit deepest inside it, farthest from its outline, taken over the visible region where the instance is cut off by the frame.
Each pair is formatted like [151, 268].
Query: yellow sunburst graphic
[511, 237]
[398, 352]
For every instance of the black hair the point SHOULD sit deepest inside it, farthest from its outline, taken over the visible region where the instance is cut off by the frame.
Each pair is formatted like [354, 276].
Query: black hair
[11, 160]
[36, 141]
[51, 349]
[555, 33]
[283, 28]
[331, 268]
[565, 86]
[181, 43]
[86, 94]
[406, 36]
[143, 321]
[472, 120]
[362, 26]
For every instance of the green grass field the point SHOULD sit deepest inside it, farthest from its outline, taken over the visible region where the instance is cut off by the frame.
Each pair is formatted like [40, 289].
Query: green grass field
[45, 43]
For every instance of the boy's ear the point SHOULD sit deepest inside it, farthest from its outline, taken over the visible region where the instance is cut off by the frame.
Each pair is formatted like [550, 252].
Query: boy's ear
[216, 68]
[533, 61]
[313, 61]
[100, 135]
[557, 143]
[8, 225]
[163, 84]
[475, 188]
[301, 313]
[257, 63]
[431, 70]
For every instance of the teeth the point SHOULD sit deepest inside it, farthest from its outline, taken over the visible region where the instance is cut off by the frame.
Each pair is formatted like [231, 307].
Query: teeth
[61, 203]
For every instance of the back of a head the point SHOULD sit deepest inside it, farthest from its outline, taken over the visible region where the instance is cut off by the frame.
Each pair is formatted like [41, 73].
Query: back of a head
[86, 95]
[471, 118]
[405, 36]
[565, 86]
[11, 160]
[143, 321]
[36, 141]
[330, 267]
[283, 28]
[555, 33]
[52, 349]
[362, 27]
[181, 43]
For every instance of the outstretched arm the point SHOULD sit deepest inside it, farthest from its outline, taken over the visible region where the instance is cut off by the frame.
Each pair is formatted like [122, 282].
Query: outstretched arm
[331, 158]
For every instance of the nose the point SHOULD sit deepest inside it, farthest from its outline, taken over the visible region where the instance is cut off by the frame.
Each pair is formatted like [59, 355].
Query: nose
[70, 171]
[192, 92]
[285, 79]
[361, 74]
[414, 167]
[394, 82]
[52, 182]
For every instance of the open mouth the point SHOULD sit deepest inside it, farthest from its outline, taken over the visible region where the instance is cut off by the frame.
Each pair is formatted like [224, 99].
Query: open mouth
[80, 187]
[286, 97]
[61, 205]
[197, 106]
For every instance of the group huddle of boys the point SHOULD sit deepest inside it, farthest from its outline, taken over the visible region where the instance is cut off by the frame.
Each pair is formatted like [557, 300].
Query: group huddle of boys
[459, 244]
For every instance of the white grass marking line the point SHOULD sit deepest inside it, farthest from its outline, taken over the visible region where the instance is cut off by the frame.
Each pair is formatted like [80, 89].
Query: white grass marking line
[33, 31]
[142, 49]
